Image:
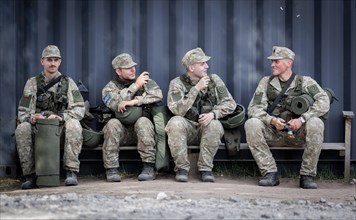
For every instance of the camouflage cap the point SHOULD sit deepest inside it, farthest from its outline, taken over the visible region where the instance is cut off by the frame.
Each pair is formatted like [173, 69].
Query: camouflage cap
[196, 55]
[279, 53]
[51, 51]
[123, 60]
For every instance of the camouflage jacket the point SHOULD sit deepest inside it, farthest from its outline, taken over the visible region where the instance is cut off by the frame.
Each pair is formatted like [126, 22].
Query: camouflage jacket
[259, 103]
[27, 106]
[180, 100]
[113, 93]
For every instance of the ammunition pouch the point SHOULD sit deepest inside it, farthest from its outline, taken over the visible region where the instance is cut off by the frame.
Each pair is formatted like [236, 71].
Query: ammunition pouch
[43, 101]
[47, 145]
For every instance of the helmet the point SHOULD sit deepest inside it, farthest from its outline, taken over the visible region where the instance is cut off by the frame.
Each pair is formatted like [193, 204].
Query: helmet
[129, 116]
[235, 119]
[91, 138]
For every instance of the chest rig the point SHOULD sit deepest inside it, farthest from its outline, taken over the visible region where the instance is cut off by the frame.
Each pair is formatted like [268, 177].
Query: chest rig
[204, 102]
[283, 109]
[54, 102]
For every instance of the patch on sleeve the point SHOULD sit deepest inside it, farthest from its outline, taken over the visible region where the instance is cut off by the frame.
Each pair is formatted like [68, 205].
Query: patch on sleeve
[257, 98]
[222, 91]
[77, 97]
[313, 90]
[176, 96]
[25, 100]
[106, 98]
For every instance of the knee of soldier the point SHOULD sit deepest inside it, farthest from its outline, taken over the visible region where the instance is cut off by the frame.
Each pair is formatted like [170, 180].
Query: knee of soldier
[73, 126]
[176, 123]
[144, 122]
[253, 124]
[24, 127]
[113, 126]
[315, 124]
[215, 125]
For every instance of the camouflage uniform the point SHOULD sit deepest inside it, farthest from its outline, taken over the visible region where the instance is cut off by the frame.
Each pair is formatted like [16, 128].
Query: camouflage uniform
[142, 132]
[73, 131]
[260, 134]
[182, 131]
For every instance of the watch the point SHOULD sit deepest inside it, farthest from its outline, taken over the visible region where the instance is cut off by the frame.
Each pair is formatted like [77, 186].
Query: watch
[301, 118]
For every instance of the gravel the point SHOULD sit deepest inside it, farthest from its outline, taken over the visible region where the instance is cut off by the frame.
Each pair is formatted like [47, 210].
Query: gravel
[163, 206]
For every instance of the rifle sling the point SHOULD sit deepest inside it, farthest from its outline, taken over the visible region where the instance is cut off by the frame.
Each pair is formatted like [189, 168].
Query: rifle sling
[276, 101]
[49, 85]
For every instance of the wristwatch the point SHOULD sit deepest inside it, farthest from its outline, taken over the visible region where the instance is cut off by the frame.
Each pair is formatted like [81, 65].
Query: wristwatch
[301, 118]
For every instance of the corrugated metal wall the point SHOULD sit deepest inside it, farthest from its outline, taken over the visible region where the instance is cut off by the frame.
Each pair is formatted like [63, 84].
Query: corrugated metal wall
[239, 35]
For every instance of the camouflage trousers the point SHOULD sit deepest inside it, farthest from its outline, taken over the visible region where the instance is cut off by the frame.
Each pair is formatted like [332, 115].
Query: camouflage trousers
[73, 140]
[141, 133]
[182, 132]
[310, 136]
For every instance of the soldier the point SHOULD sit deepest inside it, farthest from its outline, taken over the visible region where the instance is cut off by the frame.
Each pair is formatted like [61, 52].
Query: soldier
[129, 97]
[272, 124]
[61, 101]
[198, 100]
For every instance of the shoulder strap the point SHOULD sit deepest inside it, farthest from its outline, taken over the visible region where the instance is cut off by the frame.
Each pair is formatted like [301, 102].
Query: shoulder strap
[49, 85]
[276, 101]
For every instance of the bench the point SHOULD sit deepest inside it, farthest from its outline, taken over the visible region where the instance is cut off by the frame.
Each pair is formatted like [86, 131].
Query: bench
[344, 148]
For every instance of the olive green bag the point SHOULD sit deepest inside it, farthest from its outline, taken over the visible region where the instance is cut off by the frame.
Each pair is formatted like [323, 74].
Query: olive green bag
[161, 116]
[47, 146]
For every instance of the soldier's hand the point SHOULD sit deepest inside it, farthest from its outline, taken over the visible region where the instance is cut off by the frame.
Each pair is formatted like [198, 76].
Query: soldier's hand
[279, 123]
[203, 83]
[122, 105]
[53, 116]
[35, 116]
[142, 79]
[205, 119]
[295, 124]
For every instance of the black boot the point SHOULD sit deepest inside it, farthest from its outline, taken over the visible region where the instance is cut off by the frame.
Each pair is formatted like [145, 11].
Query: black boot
[148, 172]
[270, 179]
[30, 182]
[182, 175]
[307, 182]
[207, 176]
[112, 175]
[71, 179]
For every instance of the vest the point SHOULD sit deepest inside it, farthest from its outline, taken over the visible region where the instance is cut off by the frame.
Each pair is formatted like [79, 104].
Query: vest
[204, 102]
[53, 102]
[283, 109]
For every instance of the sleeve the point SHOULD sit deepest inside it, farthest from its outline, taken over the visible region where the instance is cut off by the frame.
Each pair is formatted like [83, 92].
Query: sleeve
[76, 108]
[321, 103]
[259, 103]
[27, 105]
[225, 102]
[152, 94]
[178, 100]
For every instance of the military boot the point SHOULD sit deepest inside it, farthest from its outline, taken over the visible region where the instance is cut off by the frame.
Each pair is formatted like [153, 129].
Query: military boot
[207, 176]
[148, 172]
[30, 182]
[182, 175]
[270, 179]
[307, 182]
[71, 179]
[112, 175]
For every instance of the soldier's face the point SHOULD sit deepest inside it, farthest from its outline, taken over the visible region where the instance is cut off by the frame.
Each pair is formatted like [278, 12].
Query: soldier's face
[280, 66]
[51, 64]
[127, 73]
[199, 70]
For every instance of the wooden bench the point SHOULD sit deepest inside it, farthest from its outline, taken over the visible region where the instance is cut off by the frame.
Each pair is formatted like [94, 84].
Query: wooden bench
[344, 148]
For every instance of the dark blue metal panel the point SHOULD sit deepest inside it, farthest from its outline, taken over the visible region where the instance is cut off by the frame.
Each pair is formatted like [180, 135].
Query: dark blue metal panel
[238, 35]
